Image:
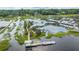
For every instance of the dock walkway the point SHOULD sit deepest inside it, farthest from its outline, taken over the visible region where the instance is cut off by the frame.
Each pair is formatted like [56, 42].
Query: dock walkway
[39, 43]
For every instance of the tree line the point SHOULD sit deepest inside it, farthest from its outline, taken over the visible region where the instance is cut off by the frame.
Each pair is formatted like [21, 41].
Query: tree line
[23, 12]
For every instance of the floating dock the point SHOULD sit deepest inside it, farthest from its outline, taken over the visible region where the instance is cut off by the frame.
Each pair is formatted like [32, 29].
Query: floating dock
[40, 44]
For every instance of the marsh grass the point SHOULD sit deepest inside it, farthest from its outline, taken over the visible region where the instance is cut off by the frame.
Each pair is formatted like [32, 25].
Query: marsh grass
[39, 36]
[73, 33]
[21, 38]
[49, 36]
[59, 34]
[4, 45]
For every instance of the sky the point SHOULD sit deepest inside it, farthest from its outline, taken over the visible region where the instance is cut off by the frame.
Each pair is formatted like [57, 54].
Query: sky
[40, 3]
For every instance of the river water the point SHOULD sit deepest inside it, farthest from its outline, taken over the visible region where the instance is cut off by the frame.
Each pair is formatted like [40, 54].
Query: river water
[66, 43]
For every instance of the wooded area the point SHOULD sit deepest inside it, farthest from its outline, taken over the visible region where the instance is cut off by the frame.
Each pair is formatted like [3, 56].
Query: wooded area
[23, 12]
